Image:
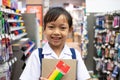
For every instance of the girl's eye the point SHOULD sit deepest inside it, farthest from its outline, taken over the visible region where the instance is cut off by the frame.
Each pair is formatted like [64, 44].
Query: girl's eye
[51, 27]
[63, 28]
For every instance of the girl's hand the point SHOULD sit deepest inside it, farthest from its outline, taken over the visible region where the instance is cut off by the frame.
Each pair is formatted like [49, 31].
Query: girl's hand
[42, 78]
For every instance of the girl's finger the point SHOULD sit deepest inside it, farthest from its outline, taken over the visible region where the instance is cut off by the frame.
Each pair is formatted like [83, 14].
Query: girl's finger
[42, 78]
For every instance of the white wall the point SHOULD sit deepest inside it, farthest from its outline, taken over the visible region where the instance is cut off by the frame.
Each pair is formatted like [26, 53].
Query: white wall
[102, 5]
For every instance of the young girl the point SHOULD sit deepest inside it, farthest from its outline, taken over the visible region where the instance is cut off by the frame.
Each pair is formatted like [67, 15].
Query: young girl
[57, 26]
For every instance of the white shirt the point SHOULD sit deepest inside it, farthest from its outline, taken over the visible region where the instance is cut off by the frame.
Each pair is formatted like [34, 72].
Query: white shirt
[32, 69]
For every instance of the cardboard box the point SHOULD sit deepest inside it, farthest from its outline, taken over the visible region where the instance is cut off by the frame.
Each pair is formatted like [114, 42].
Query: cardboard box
[48, 65]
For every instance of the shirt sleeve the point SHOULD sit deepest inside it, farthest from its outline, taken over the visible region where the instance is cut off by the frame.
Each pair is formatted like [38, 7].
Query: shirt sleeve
[32, 69]
[82, 72]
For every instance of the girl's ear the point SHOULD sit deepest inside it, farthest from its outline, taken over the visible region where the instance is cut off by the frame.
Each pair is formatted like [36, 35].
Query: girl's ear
[71, 29]
[43, 30]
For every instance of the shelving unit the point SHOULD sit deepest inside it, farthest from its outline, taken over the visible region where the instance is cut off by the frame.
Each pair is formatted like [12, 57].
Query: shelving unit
[80, 34]
[107, 46]
[13, 39]
[22, 56]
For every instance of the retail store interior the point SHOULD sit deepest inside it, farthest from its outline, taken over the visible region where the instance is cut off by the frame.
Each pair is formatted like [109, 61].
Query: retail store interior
[96, 34]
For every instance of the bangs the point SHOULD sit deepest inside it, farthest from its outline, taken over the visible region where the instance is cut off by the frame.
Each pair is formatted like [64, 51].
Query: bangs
[52, 17]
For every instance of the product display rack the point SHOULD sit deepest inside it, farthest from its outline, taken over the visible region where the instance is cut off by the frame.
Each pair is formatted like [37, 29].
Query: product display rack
[6, 53]
[107, 46]
[80, 34]
[22, 51]
[15, 46]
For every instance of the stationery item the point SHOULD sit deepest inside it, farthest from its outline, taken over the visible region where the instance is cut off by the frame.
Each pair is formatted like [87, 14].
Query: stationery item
[59, 71]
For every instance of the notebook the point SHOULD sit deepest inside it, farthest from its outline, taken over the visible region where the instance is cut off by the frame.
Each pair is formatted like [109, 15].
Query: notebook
[48, 66]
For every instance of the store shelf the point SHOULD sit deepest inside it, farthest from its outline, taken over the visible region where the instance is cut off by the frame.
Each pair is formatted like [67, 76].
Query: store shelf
[29, 49]
[19, 36]
[24, 39]
[8, 11]
[15, 37]
[13, 20]
[5, 66]
[16, 28]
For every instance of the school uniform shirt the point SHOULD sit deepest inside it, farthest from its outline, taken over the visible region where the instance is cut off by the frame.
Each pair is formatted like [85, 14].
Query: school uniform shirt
[32, 69]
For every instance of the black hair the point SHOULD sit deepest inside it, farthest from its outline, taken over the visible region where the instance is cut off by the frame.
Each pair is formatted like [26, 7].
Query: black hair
[54, 13]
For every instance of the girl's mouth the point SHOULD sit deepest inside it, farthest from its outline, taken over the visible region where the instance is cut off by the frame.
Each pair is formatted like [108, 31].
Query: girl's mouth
[56, 38]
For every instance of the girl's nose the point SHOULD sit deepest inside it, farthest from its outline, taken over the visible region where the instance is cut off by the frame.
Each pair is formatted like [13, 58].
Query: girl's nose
[56, 31]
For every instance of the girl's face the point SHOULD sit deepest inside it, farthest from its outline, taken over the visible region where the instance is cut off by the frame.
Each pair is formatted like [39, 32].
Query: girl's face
[57, 31]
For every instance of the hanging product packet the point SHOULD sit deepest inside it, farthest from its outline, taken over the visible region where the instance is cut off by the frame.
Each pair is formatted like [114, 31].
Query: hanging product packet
[59, 69]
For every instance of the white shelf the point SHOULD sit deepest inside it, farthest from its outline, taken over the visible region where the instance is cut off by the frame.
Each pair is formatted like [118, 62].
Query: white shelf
[14, 13]
[24, 39]
[19, 36]
[8, 11]
[29, 49]
[16, 28]
[13, 20]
